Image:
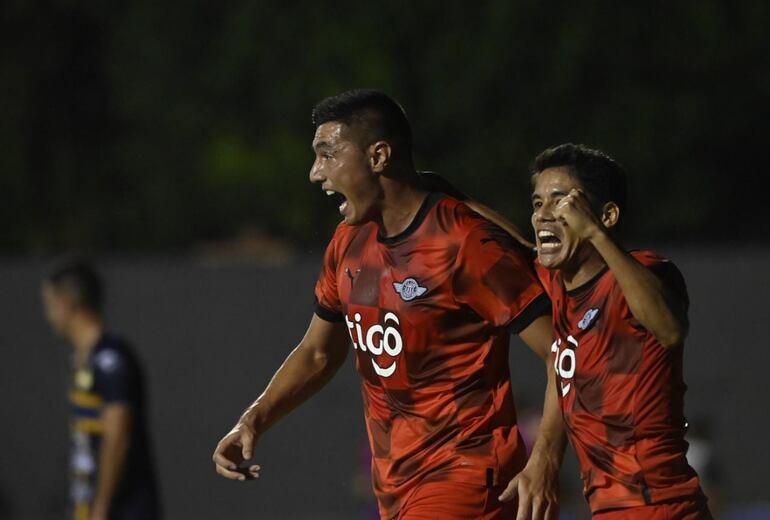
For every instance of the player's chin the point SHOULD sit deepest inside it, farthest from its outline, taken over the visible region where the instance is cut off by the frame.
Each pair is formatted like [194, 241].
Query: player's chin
[552, 259]
[353, 217]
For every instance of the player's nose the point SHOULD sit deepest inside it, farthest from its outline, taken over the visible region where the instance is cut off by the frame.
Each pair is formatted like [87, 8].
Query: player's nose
[315, 173]
[542, 214]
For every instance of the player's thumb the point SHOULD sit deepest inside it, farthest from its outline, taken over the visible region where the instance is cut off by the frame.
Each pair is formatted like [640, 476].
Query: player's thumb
[511, 491]
[247, 445]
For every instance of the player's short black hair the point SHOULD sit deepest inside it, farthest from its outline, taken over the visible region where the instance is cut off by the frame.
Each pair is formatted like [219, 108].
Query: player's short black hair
[80, 280]
[373, 114]
[603, 178]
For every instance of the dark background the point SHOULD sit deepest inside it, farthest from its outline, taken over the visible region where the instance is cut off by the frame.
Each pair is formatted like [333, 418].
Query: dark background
[211, 337]
[171, 140]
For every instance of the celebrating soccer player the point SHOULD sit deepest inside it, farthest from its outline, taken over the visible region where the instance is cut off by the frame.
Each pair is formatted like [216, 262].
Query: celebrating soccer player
[425, 291]
[111, 469]
[620, 320]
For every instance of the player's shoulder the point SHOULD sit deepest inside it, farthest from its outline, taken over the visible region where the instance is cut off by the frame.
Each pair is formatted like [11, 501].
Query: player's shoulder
[649, 258]
[460, 220]
[345, 233]
[112, 353]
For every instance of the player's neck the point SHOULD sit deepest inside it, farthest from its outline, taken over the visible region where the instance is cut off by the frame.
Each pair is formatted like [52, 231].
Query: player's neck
[584, 270]
[401, 202]
[84, 335]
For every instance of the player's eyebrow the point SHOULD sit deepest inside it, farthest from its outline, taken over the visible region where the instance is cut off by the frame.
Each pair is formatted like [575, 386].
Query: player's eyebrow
[322, 145]
[558, 193]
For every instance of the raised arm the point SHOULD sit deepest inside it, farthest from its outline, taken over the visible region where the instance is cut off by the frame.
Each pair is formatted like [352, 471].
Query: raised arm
[306, 370]
[651, 302]
[537, 486]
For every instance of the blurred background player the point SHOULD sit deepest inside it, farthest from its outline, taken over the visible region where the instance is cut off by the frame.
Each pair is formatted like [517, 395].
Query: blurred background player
[111, 468]
[427, 291]
[620, 320]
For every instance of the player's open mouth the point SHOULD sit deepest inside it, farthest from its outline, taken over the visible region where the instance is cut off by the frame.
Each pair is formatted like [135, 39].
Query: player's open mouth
[547, 241]
[343, 201]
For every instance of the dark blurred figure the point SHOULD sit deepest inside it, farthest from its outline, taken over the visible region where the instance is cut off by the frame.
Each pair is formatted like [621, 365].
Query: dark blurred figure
[702, 456]
[111, 470]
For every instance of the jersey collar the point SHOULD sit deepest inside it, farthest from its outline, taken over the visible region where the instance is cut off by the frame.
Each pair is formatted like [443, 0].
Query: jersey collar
[418, 219]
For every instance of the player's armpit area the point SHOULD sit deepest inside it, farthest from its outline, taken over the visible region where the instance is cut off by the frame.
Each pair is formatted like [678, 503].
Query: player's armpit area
[540, 306]
[538, 336]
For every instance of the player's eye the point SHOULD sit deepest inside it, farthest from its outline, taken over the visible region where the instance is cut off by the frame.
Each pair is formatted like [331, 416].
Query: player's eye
[537, 204]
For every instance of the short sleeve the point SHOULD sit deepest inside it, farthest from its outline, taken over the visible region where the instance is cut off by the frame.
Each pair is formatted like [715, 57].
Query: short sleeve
[327, 298]
[494, 276]
[115, 376]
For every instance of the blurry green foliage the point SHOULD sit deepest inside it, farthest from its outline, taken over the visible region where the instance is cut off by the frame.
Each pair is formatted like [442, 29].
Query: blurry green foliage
[155, 125]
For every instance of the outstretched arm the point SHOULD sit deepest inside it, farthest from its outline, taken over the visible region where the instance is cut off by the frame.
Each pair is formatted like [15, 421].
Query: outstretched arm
[493, 216]
[537, 486]
[656, 307]
[306, 370]
[432, 181]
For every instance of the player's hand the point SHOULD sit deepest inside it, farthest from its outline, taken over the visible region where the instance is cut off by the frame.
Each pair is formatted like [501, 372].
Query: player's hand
[574, 211]
[233, 450]
[537, 490]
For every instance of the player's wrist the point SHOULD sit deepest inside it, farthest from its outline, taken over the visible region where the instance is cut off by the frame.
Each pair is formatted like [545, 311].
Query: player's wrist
[597, 235]
[548, 451]
[254, 419]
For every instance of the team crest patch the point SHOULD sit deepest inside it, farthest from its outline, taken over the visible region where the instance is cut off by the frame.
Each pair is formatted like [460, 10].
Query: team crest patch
[107, 360]
[588, 319]
[409, 289]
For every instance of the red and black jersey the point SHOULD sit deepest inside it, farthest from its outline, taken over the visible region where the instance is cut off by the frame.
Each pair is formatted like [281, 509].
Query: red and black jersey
[621, 392]
[429, 314]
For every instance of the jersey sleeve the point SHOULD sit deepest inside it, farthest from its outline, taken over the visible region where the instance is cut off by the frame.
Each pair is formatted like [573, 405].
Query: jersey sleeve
[667, 271]
[115, 376]
[494, 276]
[327, 298]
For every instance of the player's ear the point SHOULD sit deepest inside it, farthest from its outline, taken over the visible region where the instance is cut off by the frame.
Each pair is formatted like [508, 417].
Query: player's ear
[610, 214]
[379, 156]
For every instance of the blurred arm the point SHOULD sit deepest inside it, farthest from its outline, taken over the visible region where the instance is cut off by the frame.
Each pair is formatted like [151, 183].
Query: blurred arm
[117, 420]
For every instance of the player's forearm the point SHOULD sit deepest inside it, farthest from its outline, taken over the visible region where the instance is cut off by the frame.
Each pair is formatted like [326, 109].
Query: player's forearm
[303, 374]
[551, 436]
[648, 299]
[495, 217]
[112, 457]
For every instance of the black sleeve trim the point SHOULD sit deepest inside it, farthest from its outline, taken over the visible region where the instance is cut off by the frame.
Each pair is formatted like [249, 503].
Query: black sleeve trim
[327, 314]
[540, 306]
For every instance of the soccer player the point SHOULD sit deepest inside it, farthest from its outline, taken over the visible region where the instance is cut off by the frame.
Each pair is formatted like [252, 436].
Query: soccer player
[426, 292]
[620, 320]
[111, 469]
